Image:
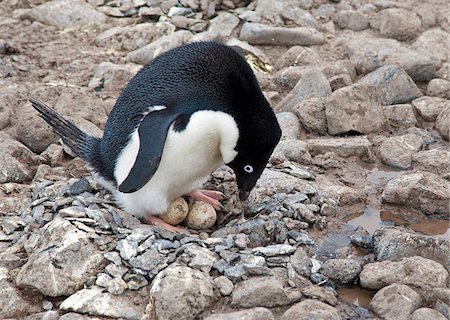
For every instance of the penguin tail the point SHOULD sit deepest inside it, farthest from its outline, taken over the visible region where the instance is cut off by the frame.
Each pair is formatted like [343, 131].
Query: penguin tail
[82, 144]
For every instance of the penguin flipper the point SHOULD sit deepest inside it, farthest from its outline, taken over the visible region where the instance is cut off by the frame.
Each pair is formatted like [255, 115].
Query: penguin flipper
[152, 137]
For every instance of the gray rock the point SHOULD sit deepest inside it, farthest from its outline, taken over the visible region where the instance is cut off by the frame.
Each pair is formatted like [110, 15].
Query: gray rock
[439, 88]
[354, 108]
[414, 271]
[278, 12]
[342, 271]
[65, 13]
[263, 292]
[362, 238]
[290, 125]
[400, 115]
[13, 305]
[426, 314]
[301, 263]
[94, 301]
[202, 258]
[151, 260]
[311, 113]
[127, 249]
[444, 71]
[256, 33]
[400, 24]
[191, 286]
[342, 147]
[435, 44]
[311, 309]
[435, 161]
[369, 54]
[63, 261]
[312, 83]
[351, 19]
[426, 192]
[249, 314]
[291, 150]
[396, 301]
[430, 107]
[249, 49]
[274, 250]
[146, 54]
[298, 56]
[394, 245]
[320, 293]
[339, 81]
[224, 23]
[443, 123]
[110, 77]
[344, 195]
[132, 37]
[398, 151]
[47, 315]
[224, 285]
[393, 83]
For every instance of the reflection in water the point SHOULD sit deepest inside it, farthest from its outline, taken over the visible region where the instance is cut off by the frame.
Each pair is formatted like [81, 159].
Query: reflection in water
[376, 175]
[356, 296]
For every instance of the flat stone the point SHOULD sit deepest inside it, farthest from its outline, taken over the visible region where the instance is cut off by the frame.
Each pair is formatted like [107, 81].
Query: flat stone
[435, 161]
[47, 315]
[95, 302]
[400, 24]
[342, 271]
[202, 258]
[342, 147]
[443, 123]
[425, 314]
[191, 285]
[311, 309]
[430, 107]
[311, 113]
[426, 192]
[394, 245]
[435, 44]
[398, 151]
[344, 195]
[396, 301]
[224, 23]
[351, 19]
[400, 115]
[393, 83]
[275, 249]
[291, 150]
[301, 263]
[66, 13]
[249, 314]
[256, 33]
[439, 88]
[63, 261]
[290, 125]
[320, 293]
[414, 271]
[354, 108]
[262, 292]
[278, 12]
[298, 56]
[146, 54]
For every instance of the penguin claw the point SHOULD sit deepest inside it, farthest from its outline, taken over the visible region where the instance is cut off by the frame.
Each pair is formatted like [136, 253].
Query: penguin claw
[208, 196]
[156, 221]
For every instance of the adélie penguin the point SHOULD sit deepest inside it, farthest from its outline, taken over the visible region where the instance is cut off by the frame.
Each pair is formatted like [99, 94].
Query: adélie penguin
[180, 117]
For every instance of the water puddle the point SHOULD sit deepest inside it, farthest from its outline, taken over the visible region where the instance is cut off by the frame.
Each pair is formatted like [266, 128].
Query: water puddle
[382, 174]
[355, 296]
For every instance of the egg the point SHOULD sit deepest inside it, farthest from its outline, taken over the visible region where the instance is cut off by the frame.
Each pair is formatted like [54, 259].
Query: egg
[201, 216]
[177, 212]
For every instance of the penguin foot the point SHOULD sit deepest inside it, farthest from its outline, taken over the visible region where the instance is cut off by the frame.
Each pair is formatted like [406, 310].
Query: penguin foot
[156, 221]
[208, 196]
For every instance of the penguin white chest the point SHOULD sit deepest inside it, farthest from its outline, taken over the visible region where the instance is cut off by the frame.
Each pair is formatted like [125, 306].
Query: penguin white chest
[189, 156]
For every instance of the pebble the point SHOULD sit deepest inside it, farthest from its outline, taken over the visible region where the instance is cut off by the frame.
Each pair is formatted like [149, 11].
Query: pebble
[224, 285]
[353, 20]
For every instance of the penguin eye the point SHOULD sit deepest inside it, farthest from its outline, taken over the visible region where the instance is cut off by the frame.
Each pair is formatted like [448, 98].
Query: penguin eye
[248, 168]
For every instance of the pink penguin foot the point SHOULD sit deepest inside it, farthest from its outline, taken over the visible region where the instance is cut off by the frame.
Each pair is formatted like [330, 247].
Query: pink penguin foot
[157, 221]
[208, 196]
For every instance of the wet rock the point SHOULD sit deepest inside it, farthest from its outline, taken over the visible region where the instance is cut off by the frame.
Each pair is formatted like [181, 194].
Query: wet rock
[443, 123]
[224, 23]
[398, 23]
[320, 293]
[430, 107]
[65, 14]
[396, 301]
[393, 83]
[435, 44]
[435, 161]
[425, 314]
[290, 125]
[414, 271]
[342, 271]
[398, 151]
[224, 285]
[426, 192]
[263, 292]
[311, 309]
[362, 238]
[400, 115]
[13, 305]
[353, 20]
[94, 301]
[312, 83]
[146, 54]
[439, 88]
[291, 150]
[394, 245]
[249, 314]
[311, 113]
[354, 108]
[369, 54]
[191, 285]
[342, 147]
[63, 261]
[256, 33]
[298, 56]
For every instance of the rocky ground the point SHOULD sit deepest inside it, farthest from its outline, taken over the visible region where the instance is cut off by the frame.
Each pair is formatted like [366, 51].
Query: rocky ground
[349, 221]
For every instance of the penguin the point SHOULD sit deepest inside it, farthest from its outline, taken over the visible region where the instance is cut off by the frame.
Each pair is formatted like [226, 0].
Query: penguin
[183, 115]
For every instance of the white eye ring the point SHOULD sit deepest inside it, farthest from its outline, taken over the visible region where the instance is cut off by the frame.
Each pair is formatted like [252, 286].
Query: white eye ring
[248, 168]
